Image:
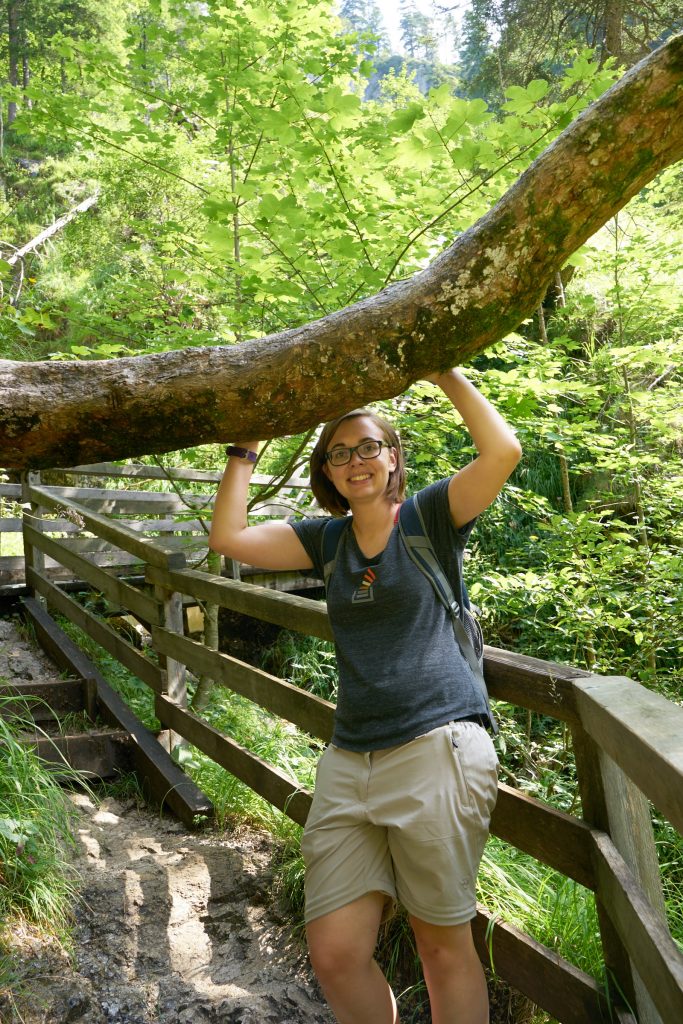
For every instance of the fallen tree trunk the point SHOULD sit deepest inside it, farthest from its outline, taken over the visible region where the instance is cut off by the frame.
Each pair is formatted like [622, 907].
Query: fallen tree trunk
[480, 288]
[47, 233]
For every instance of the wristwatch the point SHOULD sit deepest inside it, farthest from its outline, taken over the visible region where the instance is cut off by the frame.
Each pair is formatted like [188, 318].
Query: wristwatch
[241, 453]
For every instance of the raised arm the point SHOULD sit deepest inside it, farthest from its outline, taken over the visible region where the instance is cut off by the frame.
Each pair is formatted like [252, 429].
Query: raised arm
[268, 545]
[476, 485]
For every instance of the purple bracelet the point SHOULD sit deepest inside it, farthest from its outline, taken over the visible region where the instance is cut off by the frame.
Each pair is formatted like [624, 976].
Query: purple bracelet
[241, 453]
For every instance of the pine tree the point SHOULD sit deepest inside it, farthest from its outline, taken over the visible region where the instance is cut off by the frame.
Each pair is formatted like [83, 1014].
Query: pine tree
[417, 33]
[364, 18]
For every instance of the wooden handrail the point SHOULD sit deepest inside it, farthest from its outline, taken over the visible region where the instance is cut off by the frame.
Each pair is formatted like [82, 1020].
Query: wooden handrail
[288, 610]
[640, 730]
[644, 934]
[118, 591]
[148, 551]
[142, 472]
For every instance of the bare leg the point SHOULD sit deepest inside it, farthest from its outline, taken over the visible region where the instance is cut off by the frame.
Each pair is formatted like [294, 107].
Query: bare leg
[342, 946]
[453, 973]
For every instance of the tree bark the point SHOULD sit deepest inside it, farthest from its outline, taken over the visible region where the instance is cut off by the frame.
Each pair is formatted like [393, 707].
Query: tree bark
[13, 51]
[490, 279]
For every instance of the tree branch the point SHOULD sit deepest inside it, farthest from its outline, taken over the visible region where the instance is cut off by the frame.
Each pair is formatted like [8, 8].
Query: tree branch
[491, 278]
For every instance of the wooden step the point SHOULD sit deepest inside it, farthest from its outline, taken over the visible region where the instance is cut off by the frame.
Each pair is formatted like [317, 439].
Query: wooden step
[46, 701]
[97, 754]
[161, 777]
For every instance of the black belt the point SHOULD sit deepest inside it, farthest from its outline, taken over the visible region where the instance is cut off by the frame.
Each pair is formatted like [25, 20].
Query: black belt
[482, 720]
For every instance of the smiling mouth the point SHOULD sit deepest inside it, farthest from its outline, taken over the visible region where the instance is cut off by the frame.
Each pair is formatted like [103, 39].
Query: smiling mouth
[359, 477]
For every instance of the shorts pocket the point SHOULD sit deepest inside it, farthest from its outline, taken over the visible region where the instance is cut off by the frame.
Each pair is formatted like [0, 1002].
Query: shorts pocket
[476, 769]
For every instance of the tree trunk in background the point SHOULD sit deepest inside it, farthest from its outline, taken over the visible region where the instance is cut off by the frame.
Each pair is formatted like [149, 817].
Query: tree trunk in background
[26, 77]
[14, 50]
[614, 18]
[489, 280]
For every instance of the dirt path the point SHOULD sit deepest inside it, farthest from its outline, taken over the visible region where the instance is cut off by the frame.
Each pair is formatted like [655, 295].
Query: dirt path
[171, 927]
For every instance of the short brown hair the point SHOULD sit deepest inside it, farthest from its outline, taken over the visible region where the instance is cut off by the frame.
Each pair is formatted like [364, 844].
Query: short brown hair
[324, 490]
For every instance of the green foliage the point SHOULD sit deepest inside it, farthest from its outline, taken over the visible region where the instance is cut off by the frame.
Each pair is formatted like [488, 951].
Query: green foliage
[511, 43]
[138, 696]
[244, 184]
[36, 882]
[305, 661]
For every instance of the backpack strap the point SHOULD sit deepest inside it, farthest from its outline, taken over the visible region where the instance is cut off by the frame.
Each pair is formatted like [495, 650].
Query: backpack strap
[331, 539]
[421, 551]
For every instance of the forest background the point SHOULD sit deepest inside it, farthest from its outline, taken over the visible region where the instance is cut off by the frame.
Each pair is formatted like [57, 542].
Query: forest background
[257, 165]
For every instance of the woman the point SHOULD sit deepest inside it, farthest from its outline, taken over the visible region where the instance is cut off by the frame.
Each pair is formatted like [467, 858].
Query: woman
[405, 790]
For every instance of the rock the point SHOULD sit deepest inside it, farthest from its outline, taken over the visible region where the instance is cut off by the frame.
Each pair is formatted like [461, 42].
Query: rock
[21, 668]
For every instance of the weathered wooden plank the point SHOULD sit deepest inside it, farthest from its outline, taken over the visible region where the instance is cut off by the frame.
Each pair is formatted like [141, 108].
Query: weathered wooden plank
[298, 613]
[10, 491]
[286, 582]
[646, 936]
[41, 701]
[9, 525]
[12, 568]
[105, 636]
[161, 777]
[176, 671]
[629, 825]
[45, 525]
[101, 552]
[542, 686]
[559, 840]
[148, 551]
[173, 525]
[114, 589]
[117, 502]
[565, 992]
[310, 713]
[142, 472]
[642, 732]
[619, 971]
[266, 780]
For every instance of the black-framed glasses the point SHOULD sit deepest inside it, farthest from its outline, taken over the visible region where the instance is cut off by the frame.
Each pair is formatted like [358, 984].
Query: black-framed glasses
[369, 449]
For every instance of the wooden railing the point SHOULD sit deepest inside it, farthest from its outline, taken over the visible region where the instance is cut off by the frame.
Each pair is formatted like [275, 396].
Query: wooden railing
[628, 743]
[179, 516]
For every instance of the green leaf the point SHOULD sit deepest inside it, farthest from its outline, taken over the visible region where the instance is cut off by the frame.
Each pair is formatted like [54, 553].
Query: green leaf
[220, 239]
[537, 89]
[269, 206]
[403, 120]
[441, 96]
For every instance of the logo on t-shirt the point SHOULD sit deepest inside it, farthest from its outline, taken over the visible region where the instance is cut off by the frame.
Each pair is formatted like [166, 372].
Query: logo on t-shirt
[364, 591]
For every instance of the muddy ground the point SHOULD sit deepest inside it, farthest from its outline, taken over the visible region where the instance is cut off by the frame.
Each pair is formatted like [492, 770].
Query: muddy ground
[170, 927]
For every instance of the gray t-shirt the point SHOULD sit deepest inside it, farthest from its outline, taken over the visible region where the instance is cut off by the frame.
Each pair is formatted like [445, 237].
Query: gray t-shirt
[401, 671]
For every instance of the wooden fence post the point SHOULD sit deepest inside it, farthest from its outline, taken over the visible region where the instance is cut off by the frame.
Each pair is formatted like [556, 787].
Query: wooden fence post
[614, 804]
[33, 558]
[176, 673]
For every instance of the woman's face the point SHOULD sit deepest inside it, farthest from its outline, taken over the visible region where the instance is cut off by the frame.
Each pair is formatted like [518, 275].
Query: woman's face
[360, 479]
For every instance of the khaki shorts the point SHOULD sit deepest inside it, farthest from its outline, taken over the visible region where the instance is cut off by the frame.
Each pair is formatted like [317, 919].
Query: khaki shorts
[410, 822]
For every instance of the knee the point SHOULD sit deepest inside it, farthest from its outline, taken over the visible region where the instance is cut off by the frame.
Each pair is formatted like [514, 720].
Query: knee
[446, 951]
[334, 957]
[437, 957]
